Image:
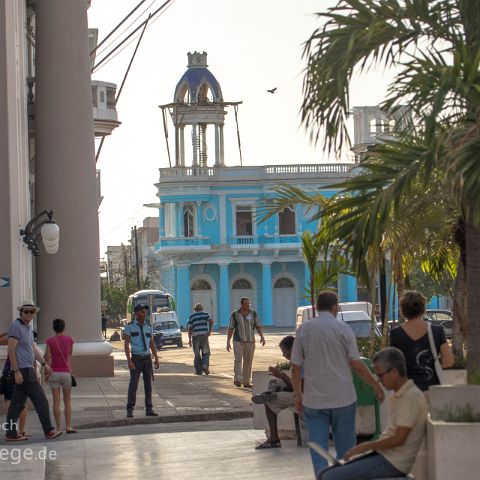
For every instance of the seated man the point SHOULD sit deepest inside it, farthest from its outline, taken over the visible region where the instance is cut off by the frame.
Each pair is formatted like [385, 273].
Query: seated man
[278, 396]
[393, 454]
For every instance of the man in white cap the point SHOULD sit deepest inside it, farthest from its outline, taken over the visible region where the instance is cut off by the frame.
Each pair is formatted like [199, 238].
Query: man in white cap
[22, 352]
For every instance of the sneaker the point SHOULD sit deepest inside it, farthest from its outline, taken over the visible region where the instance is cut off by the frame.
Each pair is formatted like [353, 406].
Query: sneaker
[52, 434]
[237, 383]
[18, 437]
[129, 414]
[264, 398]
[206, 370]
[151, 413]
[247, 385]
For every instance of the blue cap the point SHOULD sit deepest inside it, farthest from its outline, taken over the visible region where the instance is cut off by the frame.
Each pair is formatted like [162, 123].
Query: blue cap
[140, 306]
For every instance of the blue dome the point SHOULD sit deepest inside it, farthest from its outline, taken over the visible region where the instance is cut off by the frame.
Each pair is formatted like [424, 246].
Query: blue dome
[197, 76]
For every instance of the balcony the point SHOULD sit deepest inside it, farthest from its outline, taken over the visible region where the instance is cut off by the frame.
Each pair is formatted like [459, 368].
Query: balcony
[282, 241]
[245, 241]
[265, 173]
[183, 243]
[105, 115]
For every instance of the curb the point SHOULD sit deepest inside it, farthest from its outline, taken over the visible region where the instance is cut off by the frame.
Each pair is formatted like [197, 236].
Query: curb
[190, 417]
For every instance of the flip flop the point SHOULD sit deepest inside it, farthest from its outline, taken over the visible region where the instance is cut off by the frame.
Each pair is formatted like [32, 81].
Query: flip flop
[268, 444]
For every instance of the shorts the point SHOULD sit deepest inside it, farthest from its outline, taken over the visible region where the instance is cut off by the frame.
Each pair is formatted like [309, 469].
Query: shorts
[60, 379]
[284, 400]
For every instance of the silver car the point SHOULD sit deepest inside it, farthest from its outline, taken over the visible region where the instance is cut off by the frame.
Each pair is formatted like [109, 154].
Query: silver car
[440, 317]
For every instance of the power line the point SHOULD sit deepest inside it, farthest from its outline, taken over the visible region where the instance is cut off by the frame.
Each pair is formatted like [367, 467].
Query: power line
[129, 36]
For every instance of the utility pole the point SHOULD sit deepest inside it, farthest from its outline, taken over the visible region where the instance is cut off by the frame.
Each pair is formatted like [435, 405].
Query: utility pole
[134, 229]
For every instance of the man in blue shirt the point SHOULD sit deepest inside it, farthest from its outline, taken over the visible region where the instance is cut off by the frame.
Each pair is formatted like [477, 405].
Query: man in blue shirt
[22, 353]
[138, 341]
[199, 328]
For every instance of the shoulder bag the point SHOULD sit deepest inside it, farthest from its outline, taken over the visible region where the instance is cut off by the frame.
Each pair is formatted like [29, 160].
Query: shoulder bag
[433, 349]
[74, 380]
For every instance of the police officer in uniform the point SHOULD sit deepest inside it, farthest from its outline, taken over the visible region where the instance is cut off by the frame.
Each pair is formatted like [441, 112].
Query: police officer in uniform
[138, 343]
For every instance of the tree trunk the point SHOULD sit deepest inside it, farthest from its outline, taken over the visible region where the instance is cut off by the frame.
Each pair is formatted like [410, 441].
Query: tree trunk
[400, 290]
[473, 299]
[459, 311]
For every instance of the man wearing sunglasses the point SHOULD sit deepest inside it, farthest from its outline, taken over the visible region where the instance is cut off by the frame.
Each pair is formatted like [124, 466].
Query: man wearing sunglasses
[22, 352]
[393, 454]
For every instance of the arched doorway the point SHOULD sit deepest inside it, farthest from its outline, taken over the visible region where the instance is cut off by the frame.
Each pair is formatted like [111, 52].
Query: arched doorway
[202, 292]
[242, 287]
[284, 302]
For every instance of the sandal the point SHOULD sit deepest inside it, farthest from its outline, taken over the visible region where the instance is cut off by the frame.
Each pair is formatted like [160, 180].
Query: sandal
[71, 430]
[268, 444]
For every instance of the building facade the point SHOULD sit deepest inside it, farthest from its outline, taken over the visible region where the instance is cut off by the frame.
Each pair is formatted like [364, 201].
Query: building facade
[213, 247]
[47, 162]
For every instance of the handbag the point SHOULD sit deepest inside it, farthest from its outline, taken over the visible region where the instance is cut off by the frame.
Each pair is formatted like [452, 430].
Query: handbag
[74, 380]
[433, 349]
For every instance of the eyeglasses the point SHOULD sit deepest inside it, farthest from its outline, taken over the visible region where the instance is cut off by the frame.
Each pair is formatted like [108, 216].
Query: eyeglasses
[29, 312]
[380, 375]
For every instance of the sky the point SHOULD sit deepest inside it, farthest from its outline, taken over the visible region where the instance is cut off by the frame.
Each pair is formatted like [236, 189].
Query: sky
[252, 46]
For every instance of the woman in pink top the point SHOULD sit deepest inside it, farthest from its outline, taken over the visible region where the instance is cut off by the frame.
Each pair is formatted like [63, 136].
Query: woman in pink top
[57, 355]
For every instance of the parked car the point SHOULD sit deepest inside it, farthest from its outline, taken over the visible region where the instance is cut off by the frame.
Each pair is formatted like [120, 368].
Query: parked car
[359, 320]
[440, 317]
[166, 330]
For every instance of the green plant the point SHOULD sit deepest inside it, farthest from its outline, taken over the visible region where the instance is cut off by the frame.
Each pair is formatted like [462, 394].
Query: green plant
[284, 365]
[365, 347]
[464, 414]
[459, 363]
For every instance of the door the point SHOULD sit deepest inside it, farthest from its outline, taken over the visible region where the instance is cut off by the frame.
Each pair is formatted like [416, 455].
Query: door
[242, 288]
[284, 303]
[202, 292]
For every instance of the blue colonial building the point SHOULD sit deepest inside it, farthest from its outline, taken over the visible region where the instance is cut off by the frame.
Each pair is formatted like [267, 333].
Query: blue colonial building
[213, 248]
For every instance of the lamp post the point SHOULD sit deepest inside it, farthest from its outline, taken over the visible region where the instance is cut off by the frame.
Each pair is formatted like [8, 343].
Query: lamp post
[45, 229]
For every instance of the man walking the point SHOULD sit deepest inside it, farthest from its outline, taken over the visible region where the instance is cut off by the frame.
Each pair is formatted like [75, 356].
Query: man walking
[200, 326]
[327, 350]
[243, 323]
[22, 353]
[393, 454]
[138, 342]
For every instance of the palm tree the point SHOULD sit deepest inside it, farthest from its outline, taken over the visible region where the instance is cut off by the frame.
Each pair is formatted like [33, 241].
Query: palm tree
[435, 47]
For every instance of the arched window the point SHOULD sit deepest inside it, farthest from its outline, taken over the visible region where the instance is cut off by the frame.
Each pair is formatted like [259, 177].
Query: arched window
[189, 220]
[286, 221]
[284, 283]
[201, 284]
[204, 95]
[242, 284]
[373, 125]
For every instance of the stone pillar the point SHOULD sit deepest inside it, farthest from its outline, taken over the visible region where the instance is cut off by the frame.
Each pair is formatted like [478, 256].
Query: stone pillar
[222, 152]
[68, 283]
[194, 145]
[181, 145]
[15, 259]
[180, 229]
[161, 221]
[199, 218]
[184, 309]
[224, 296]
[267, 319]
[217, 146]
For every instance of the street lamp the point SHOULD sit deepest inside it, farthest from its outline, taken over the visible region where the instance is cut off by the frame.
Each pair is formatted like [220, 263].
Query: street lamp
[41, 228]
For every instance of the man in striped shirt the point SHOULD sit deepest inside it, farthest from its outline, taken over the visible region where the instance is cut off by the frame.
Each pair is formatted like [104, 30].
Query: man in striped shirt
[200, 326]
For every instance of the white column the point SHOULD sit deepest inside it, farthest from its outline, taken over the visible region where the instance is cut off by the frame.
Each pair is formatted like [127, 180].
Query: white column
[217, 145]
[199, 218]
[181, 145]
[194, 145]
[68, 283]
[222, 157]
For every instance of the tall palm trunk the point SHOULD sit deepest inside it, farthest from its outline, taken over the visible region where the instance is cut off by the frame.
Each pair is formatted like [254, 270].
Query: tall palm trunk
[473, 301]
[459, 311]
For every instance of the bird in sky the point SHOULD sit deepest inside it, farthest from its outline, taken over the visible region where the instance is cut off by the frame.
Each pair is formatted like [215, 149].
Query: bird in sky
[272, 90]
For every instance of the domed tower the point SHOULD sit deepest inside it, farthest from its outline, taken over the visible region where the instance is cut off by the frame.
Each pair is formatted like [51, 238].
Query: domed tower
[198, 102]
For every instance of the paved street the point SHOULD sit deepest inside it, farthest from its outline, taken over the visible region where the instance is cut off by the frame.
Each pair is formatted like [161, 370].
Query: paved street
[110, 446]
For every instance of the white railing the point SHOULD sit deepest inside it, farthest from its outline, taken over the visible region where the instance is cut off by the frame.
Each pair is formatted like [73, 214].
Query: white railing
[281, 239]
[244, 240]
[301, 170]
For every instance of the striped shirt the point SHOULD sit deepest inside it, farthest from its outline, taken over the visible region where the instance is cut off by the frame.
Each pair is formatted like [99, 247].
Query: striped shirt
[324, 347]
[243, 326]
[199, 323]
